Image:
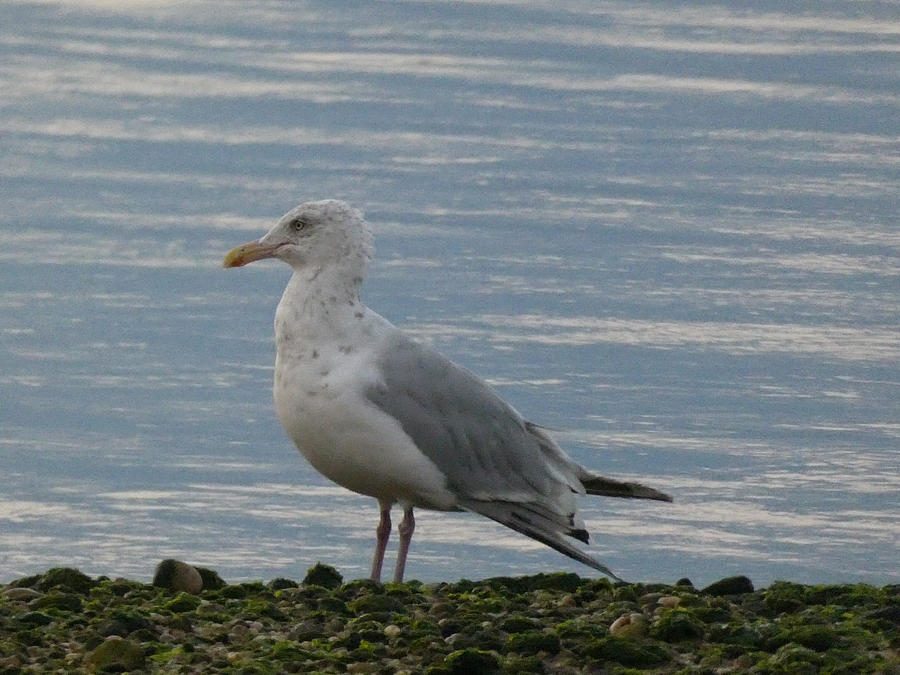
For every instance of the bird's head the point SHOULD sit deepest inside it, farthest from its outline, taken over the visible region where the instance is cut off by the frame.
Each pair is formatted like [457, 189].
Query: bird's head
[320, 234]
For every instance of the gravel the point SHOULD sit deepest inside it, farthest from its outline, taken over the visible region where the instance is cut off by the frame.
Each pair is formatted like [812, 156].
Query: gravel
[67, 622]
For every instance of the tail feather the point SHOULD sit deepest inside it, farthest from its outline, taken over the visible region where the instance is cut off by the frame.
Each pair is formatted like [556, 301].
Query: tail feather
[607, 487]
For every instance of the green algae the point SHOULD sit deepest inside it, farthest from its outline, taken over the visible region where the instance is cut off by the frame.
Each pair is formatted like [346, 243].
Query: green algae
[66, 621]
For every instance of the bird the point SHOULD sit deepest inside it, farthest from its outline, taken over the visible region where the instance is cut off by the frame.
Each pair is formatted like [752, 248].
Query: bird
[386, 416]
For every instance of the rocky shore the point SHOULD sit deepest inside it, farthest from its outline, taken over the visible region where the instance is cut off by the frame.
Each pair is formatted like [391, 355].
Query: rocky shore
[190, 621]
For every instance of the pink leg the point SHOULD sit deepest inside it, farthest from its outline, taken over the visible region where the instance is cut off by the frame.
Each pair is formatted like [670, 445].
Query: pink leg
[381, 539]
[406, 529]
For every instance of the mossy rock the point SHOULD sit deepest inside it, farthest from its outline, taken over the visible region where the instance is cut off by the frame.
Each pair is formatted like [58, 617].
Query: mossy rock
[183, 602]
[677, 625]
[376, 603]
[559, 581]
[65, 578]
[817, 638]
[30, 581]
[626, 593]
[729, 586]
[736, 633]
[116, 654]
[332, 605]
[532, 642]
[518, 623]
[795, 658]
[123, 623]
[523, 665]
[211, 579]
[323, 575]
[471, 662]
[628, 652]
[34, 619]
[55, 600]
[784, 597]
[359, 587]
[238, 591]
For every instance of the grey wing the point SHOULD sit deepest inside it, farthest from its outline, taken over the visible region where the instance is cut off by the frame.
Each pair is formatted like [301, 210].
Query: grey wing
[498, 464]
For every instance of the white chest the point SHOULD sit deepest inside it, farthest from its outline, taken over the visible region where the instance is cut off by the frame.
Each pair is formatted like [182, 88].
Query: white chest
[320, 399]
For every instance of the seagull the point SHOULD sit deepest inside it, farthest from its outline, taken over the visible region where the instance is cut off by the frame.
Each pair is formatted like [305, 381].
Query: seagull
[385, 416]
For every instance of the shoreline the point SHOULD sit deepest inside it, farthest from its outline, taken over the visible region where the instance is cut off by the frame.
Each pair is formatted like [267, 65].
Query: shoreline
[65, 621]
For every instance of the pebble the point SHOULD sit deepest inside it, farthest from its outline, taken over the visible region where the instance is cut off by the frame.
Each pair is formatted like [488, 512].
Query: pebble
[629, 625]
[454, 638]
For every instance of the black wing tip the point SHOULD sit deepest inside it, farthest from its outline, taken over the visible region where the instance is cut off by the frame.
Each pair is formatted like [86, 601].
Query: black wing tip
[520, 521]
[608, 487]
[581, 535]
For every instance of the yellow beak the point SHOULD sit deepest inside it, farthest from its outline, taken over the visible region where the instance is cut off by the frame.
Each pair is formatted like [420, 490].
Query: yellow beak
[247, 253]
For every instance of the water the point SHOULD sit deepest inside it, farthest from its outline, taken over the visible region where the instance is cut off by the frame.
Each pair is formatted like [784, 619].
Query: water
[669, 231]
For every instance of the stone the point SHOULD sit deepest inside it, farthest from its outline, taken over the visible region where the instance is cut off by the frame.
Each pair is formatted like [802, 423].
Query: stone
[471, 662]
[211, 579]
[65, 578]
[178, 576]
[323, 575]
[22, 594]
[116, 653]
[730, 586]
[632, 624]
[634, 653]
[280, 583]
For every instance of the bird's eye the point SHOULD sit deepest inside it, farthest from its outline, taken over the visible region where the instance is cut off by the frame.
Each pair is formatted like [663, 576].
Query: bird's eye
[298, 224]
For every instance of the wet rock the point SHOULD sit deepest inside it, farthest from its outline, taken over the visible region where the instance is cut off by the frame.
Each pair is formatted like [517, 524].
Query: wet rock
[116, 654]
[178, 576]
[280, 584]
[730, 586]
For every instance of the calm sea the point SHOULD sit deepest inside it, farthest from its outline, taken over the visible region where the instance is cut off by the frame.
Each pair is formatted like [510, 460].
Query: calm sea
[668, 230]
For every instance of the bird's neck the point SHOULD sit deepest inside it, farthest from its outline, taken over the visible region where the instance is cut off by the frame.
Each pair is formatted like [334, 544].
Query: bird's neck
[318, 305]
